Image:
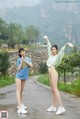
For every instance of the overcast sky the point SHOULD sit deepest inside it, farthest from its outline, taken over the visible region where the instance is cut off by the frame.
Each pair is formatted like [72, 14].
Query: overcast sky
[17, 3]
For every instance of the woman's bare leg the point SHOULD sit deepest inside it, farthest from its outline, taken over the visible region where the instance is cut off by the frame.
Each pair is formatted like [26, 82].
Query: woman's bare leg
[22, 87]
[55, 91]
[53, 95]
[18, 91]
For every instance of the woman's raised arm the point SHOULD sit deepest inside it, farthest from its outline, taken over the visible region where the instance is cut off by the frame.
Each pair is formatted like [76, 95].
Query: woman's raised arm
[62, 52]
[48, 45]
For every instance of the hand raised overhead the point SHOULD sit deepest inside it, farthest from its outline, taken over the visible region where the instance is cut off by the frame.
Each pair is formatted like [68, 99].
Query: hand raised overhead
[45, 37]
[70, 45]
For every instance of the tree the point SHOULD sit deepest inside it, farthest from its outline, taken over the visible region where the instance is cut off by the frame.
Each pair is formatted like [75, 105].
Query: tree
[11, 32]
[32, 34]
[15, 34]
[65, 66]
[70, 63]
[75, 59]
[2, 29]
[19, 34]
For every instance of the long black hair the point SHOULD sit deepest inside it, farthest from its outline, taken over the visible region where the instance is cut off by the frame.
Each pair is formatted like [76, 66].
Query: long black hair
[54, 46]
[21, 49]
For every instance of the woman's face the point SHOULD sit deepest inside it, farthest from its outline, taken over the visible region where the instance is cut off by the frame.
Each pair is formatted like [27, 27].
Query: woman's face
[22, 53]
[54, 51]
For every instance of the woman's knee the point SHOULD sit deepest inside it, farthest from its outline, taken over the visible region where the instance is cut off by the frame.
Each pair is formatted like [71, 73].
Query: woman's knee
[21, 91]
[54, 90]
[18, 91]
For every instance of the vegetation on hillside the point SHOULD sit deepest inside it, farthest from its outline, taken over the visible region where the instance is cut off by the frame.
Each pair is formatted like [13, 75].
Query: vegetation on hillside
[13, 34]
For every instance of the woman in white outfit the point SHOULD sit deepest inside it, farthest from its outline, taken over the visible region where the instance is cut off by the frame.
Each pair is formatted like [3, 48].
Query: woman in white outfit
[53, 61]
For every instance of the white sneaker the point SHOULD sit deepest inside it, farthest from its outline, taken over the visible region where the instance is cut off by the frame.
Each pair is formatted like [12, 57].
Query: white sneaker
[51, 109]
[24, 107]
[60, 110]
[22, 111]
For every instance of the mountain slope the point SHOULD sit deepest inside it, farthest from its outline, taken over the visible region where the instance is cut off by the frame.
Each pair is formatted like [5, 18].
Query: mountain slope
[61, 21]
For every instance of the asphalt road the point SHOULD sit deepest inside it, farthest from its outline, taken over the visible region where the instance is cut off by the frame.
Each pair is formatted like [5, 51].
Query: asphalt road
[37, 98]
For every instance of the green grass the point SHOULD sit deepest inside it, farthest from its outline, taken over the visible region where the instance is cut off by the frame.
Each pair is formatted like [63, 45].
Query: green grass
[73, 88]
[44, 79]
[6, 80]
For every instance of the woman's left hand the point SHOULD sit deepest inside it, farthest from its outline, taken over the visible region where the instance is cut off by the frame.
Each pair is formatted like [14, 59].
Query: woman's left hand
[70, 45]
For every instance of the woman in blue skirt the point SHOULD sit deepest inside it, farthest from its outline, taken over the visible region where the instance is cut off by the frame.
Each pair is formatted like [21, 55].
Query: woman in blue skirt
[23, 65]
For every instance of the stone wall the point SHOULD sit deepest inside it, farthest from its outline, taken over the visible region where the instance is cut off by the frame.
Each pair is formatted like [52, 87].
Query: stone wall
[37, 56]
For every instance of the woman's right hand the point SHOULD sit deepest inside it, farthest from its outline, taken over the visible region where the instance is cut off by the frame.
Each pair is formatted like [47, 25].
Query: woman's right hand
[45, 37]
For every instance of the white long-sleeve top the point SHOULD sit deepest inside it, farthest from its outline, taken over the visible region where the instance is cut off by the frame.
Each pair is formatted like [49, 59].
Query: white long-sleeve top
[54, 60]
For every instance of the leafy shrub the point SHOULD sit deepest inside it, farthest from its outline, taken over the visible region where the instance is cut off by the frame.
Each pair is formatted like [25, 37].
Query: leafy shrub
[77, 89]
[42, 68]
[4, 62]
[6, 80]
[77, 92]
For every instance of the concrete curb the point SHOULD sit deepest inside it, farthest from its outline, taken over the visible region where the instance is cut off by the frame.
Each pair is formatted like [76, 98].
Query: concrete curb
[43, 85]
